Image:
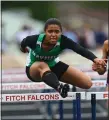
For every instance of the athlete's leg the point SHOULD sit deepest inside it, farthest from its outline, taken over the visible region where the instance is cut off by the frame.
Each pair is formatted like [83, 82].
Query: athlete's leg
[40, 70]
[77, 78]
[37, 70]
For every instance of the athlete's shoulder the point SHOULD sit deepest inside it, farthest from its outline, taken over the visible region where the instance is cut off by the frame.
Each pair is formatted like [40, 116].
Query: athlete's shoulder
[64, 37]
[30, 41]
[32, 37]
[66, 42]
[106, 42]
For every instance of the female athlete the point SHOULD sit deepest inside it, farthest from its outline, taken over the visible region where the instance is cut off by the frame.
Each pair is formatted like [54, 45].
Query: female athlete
[43, 64]
[105, 55]
[102, 69]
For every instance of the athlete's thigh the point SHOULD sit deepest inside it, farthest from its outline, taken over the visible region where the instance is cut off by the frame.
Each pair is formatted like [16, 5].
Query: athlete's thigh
[76, 77]
[34, 71]
[37, 69]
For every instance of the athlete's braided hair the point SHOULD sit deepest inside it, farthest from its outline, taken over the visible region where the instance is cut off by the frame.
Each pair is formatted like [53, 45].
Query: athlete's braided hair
[52, 21]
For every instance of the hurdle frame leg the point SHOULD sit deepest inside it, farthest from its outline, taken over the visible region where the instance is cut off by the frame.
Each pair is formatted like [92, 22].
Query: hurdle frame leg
[61, 110]
[93, 106]
[78, 103]
[74, 110]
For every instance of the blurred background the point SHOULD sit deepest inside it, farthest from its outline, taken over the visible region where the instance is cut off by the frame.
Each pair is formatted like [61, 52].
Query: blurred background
[84, 22]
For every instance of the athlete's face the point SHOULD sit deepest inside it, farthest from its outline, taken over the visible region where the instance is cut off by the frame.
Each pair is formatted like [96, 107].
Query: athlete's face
[53, 33]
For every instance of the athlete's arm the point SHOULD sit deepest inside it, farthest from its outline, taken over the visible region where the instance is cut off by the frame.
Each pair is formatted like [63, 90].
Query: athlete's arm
[29, 41]
[104, 49]
[70, 44]
[102, 69]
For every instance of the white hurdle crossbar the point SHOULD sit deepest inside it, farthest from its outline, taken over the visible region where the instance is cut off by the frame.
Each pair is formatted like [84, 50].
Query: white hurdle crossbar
[39, 86]
[51, 96]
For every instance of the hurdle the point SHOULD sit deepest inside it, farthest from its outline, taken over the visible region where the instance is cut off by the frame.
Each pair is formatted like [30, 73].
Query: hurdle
[78, 96]
[39, 86]
[74, 96]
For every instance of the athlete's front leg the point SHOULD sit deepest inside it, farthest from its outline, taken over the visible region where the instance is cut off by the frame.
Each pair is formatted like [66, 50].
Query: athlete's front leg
[77, 78]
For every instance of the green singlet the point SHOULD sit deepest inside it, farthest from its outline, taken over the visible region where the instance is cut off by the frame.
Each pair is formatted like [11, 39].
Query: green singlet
[38, 54]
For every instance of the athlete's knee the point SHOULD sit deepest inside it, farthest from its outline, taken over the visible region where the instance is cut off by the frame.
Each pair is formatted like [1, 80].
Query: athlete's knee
[43, 67]
[38, 67]
[88, 84]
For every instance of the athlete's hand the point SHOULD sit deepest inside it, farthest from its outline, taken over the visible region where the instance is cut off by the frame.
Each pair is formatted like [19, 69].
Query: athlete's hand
[26, 50]
[98, 61]
[99, 68]
[94, 67]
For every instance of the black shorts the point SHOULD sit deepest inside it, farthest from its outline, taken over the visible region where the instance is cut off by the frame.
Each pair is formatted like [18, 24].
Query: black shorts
[58, 69]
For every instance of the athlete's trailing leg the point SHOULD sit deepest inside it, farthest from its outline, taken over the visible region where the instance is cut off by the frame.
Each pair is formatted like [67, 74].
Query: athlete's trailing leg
[40, 70]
